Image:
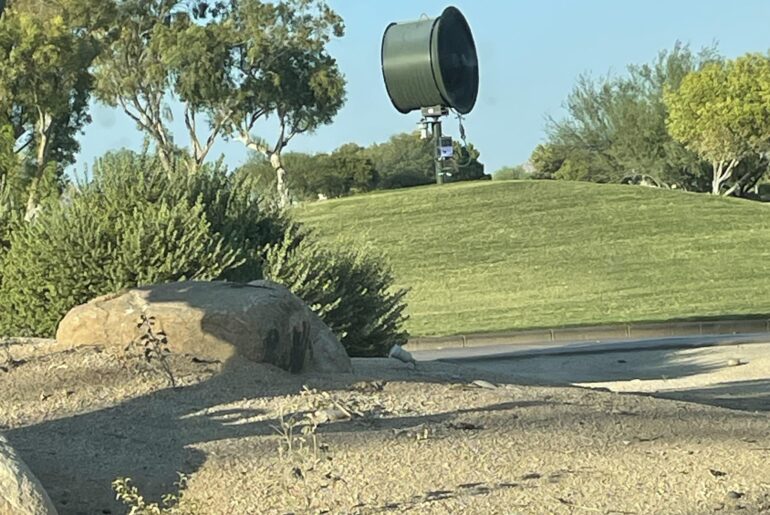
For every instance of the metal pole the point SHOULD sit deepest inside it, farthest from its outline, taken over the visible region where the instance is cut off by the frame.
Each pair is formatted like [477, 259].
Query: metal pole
[437, 150]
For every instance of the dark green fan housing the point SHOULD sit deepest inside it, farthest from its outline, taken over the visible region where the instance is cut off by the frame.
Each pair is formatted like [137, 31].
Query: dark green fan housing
[431, 62]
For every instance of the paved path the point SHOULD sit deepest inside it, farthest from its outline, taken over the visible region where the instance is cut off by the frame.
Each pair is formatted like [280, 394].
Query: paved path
[729, 371]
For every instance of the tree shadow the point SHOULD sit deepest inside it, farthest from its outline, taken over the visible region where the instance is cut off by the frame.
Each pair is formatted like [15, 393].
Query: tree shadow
[670, 371]
[153, 437]
[752, 395]
[586, 367]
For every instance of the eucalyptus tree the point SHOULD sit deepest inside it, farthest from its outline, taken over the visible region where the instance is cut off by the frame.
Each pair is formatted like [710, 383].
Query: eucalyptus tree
[45, 84]
[285, 72]
[231, 64]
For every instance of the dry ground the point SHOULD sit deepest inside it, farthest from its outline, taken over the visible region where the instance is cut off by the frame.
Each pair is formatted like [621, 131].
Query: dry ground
[424, 440]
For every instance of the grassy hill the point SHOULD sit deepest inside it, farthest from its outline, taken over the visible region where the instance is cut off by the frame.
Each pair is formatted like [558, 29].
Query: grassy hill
[509, 255]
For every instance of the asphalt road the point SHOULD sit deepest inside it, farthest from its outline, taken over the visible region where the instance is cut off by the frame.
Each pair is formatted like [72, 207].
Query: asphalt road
[497, 352]
[731, 371]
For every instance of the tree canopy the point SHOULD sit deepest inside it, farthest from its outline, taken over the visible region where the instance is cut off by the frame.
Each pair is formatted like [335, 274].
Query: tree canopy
[722, 113]
[616, 126]
[231, 64]
[45, 81]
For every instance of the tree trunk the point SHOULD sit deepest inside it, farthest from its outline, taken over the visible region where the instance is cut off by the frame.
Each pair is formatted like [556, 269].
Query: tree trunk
[280, 175]
[722, 172]
[716, 183]
[166, 160]
[33, 200]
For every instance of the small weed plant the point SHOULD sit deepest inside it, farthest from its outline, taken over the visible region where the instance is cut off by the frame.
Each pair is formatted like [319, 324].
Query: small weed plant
[154, 345]
[127, 493]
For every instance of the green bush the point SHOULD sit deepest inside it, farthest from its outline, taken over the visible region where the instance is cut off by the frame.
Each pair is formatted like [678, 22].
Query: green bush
[350, 289]
[511, 173]
[131, 225]
[134, 224]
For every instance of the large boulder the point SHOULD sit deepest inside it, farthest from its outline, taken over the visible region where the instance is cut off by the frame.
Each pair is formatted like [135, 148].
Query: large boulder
[261, 321]
[20, 491]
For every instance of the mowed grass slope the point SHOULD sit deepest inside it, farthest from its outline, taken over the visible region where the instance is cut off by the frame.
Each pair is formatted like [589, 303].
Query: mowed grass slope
[523, 254]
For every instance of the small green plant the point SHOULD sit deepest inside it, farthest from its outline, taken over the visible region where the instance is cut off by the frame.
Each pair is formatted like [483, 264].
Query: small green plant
[299, 447]
[127, 493]
[155, 347]
[299, 439]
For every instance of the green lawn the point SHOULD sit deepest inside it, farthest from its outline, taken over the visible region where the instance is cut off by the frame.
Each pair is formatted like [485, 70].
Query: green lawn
[490, 256]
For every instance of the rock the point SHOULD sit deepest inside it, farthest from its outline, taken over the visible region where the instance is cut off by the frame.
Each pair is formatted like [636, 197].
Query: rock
[329, 415]
[717, 473]
[261, 321]
[734, 362]
[20, 491]
[484, 384]
[400, 354]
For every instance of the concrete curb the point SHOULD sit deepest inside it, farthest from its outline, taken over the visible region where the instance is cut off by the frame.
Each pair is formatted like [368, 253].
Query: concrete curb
[595, 334]
[496, 352]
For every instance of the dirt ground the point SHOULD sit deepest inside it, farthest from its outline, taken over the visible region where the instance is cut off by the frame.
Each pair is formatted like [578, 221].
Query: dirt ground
[386, 439]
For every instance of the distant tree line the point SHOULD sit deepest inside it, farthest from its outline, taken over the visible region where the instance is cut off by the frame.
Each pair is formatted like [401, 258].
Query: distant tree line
[689, 120]
[403, 161]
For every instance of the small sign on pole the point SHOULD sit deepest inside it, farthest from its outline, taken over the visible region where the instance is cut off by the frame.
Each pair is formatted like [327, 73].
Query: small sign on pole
[446, 151]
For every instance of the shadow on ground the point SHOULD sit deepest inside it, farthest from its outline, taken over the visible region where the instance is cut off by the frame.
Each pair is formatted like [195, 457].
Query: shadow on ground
[663, 373]
[752, 395]
[584, 367]
[151, 438]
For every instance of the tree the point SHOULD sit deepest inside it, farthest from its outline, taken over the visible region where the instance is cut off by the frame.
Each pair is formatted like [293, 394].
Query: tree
[145, 59]
[346, 170]
[616, 126]
[546, 159]
[722, 113]
[231, 63]
[404, 160]
[465, 164]
[287, 74]
[45, 84]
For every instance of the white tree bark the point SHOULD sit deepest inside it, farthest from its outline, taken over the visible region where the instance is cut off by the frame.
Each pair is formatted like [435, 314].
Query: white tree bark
[43, 129]
[280, 175]
[723, 170]
[274, 155]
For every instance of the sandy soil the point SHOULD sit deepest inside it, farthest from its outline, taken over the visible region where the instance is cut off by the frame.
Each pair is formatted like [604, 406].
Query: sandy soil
[424, 440]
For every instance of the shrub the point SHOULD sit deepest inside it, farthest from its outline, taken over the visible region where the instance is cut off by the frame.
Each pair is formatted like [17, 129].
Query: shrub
[511, 173]
[131, 225]
[350, 289]
[135, 224]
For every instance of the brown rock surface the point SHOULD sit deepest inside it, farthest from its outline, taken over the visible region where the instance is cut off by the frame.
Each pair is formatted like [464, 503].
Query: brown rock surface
[261, 321]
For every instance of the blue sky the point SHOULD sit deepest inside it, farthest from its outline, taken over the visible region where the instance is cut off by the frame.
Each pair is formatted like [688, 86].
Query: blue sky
[529, 56]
